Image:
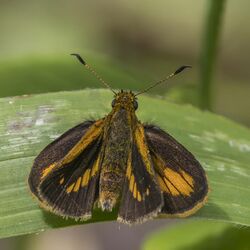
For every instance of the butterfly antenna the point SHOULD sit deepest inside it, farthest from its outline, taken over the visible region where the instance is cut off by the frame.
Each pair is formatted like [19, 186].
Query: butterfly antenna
[179, 70]
[92, 71]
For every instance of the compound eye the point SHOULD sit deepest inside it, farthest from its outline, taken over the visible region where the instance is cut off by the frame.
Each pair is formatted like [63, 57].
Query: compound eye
[113, 103]
[135, 105]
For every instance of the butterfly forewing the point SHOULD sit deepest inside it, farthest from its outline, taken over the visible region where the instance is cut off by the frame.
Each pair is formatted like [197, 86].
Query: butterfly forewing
[71, 190]
[54, 152]
[180, 176]
[68, 184]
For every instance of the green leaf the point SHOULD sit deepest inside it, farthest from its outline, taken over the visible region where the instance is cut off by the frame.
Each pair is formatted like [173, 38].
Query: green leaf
[29, 123]
[196, 235]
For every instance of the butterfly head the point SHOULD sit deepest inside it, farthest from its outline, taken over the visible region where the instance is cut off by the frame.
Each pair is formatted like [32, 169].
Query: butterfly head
[125, 100]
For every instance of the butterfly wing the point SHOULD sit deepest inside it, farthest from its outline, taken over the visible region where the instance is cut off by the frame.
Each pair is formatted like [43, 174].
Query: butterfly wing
[64, 175]
[54, 152]
[141, 197]
[180, 176]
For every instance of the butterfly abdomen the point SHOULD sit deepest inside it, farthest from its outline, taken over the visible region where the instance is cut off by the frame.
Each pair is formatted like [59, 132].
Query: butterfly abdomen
[114, 163]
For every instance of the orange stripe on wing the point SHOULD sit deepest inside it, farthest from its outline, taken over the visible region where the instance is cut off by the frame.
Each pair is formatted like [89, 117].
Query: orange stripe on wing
[132, 181]
[143, 148]
[174, 182]
[92, 133]
[47, 170]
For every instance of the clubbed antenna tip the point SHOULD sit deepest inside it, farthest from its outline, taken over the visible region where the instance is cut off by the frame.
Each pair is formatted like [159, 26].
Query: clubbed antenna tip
[92, 71]
[79, 58]
[179, 70]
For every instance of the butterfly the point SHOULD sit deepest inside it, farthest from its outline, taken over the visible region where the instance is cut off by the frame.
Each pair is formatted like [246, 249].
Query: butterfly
[118, 161]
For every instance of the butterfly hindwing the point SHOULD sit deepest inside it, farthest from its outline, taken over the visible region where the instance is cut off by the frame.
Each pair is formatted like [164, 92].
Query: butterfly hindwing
[141, 197]
[180, 176]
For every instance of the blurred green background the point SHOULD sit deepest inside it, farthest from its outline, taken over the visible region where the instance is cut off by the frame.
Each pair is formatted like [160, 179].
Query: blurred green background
[131, 44]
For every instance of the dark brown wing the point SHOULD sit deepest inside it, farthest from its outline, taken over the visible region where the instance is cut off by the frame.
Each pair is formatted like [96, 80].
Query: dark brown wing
[54, 152]
[71, 189]
[64, 175]
[180, 176]
[141, 196]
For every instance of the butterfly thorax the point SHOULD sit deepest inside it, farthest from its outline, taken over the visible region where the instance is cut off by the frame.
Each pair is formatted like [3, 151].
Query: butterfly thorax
[117, 141]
